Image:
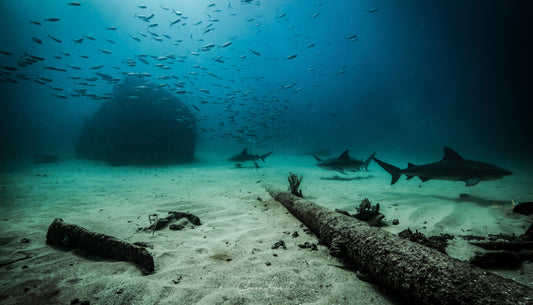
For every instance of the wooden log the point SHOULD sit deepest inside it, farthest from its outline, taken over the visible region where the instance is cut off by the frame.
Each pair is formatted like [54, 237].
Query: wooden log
[419, 274]
[72, 236]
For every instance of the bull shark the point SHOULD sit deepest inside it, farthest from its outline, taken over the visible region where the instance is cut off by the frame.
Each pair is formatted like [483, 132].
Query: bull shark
[344, 163]
[452, 167]
[245, 156]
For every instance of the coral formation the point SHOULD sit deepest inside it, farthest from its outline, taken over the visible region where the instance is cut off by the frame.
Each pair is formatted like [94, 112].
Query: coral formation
[294, 184]
[140, 124]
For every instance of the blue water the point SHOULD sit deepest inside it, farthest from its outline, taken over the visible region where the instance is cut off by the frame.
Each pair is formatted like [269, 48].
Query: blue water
[393, 77]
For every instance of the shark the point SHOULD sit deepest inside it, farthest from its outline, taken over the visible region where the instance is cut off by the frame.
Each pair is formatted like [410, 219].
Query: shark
[452, 167]
[245, 156]
[344, 163]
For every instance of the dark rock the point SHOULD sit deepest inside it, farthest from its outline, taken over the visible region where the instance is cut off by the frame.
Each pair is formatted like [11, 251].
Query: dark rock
[75, 301]
[279, 244]
[141, 124]
[497, 259]
[525, 208]
[308, 245]
[24, 240]
[395, 222]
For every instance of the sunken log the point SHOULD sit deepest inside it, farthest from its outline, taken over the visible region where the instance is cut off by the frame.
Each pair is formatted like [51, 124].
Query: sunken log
[419, 274]
[72, 236]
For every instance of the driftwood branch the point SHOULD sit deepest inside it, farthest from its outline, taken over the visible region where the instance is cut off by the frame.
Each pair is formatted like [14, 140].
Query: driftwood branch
[72, 236]
[419, 274]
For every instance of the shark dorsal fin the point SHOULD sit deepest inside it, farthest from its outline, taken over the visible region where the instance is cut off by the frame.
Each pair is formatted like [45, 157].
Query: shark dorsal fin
[451, 155]
[244, 151]
[344, 155]
[409, 165]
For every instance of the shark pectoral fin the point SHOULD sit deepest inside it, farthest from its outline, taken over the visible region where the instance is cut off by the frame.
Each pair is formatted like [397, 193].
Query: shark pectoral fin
[424, 179]
[340, 170]
[409, 177]
[471, 181]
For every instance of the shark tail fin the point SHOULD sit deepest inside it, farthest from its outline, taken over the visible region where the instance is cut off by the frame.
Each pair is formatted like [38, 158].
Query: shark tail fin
[262, 157]
[367, 162]
[391, 169]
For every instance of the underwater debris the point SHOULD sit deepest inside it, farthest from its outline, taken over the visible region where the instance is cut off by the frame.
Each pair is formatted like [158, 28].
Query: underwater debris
[399, 265]
[294, 184]
[504, 251]
[157, 223]
[438, 243]
[366, 212]
[72, 236]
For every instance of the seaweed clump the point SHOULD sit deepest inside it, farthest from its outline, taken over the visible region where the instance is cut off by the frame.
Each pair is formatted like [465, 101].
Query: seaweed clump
[294, 184]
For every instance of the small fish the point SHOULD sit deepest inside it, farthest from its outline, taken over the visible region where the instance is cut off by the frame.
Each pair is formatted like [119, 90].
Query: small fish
[211, 5]
[110, 41]
[372, 10]
[165, 8]
[55, 69]
[34, 57]
[315, 15]
[352, 38]
[153, 25]
[89, 37]
[35, 22]
[61, 96]
[112, 28]
[141, 6]
[52, 19]
[8, 68]
[227, 44]
[55, 39]
[208, 47]
[37, 40]
[311, 45]
[291, 57]
[74, 4]
[255, 52]
[135, 38]
[5, 53]
[174, 22]
[282, 15]
[75, 67]
[204, 90]
[76, 41]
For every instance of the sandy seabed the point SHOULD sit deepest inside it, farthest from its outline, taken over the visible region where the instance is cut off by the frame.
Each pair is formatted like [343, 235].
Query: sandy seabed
[229, 258]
